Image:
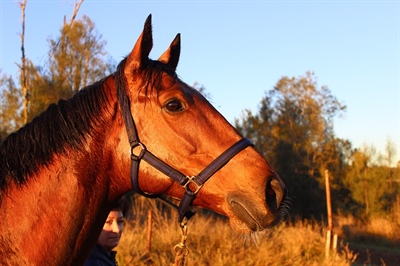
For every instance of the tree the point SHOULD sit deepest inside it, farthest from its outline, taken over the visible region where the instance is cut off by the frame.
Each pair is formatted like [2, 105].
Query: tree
[77, 58]
[390, 149]
[294, 131]
[361, 161]
[305, 115]
[10, 107]
[23, 81]
[390, 196]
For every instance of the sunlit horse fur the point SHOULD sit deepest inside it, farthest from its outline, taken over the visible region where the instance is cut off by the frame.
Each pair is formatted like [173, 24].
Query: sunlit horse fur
[61, 173]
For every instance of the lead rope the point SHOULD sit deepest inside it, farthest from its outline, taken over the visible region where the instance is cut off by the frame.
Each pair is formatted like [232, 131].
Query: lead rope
[181, 250]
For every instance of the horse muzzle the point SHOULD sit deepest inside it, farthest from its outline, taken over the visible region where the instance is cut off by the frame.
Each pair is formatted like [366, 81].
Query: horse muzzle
[254, 217]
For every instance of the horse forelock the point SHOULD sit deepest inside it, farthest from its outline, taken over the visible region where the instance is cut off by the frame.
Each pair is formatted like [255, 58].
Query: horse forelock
[150, 75]
[63, 126]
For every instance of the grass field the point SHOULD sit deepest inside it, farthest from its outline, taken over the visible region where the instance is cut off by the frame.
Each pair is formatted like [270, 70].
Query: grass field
[212, 242]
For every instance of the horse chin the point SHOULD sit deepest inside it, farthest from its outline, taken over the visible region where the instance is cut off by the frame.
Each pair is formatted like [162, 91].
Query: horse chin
[246, 219]
[240, 226]
[243, 221]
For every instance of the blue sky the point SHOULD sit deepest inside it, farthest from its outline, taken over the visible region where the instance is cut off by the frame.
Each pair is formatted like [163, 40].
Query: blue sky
[239, 49]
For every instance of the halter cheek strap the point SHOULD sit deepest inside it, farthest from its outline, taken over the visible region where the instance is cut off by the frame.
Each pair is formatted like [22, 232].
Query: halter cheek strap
[191, 184]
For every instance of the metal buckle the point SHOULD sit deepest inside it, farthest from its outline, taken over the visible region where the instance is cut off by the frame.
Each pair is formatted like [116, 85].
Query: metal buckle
[191, 180]
[141, 153]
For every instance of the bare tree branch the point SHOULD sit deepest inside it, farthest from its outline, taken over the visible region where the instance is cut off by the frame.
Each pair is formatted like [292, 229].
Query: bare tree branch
[24, 86]
[76, 9]
[77, 5]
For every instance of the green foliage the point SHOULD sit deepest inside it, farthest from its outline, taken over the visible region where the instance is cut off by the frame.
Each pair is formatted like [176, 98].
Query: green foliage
[294, 131]
[75, 59]
[373, 186]
[10, 107]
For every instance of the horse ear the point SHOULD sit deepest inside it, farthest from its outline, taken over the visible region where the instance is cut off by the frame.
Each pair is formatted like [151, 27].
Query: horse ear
[140, 52]
[171, 55]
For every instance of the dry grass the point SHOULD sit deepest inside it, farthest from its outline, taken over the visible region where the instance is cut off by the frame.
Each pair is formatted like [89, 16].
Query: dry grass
[381, 231]
[212, 242]
[376, 241]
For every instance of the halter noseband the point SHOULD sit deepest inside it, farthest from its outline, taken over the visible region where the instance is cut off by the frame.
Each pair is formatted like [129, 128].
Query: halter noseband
[191, 184]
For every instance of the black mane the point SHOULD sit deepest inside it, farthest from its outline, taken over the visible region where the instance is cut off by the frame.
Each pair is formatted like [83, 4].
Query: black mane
[61, 127]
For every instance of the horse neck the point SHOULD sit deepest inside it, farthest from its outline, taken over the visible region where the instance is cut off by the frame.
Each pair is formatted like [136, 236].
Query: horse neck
[56, 217]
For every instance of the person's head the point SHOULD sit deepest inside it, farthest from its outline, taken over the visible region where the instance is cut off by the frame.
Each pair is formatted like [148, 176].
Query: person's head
[113, 227]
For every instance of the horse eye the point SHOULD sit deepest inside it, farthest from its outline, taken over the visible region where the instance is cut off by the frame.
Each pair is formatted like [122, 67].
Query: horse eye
[174, 106]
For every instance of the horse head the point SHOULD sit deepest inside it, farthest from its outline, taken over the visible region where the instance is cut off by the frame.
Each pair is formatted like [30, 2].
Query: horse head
[177, 125]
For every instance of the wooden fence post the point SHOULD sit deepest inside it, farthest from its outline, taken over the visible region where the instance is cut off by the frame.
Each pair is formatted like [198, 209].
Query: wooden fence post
[328, 243]
[329, 212]
[149, 230]
[334, 244]
[328, 200]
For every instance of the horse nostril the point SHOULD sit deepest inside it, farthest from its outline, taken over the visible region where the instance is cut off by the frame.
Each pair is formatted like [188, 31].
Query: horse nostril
[274, 194]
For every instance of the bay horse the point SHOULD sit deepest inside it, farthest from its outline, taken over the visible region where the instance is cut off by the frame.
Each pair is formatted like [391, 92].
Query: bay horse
[61, 173]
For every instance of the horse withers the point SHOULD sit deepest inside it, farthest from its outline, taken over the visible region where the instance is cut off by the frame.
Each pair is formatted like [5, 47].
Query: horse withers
[61, 173]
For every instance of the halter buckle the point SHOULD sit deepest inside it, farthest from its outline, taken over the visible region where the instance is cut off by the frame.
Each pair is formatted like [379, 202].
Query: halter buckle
[141, 153]
[191, 180]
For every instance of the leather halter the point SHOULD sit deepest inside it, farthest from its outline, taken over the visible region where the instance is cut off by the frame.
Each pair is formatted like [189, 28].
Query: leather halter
[191, 184]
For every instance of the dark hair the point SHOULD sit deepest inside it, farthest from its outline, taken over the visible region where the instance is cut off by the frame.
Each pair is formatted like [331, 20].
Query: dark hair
[121, 205]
